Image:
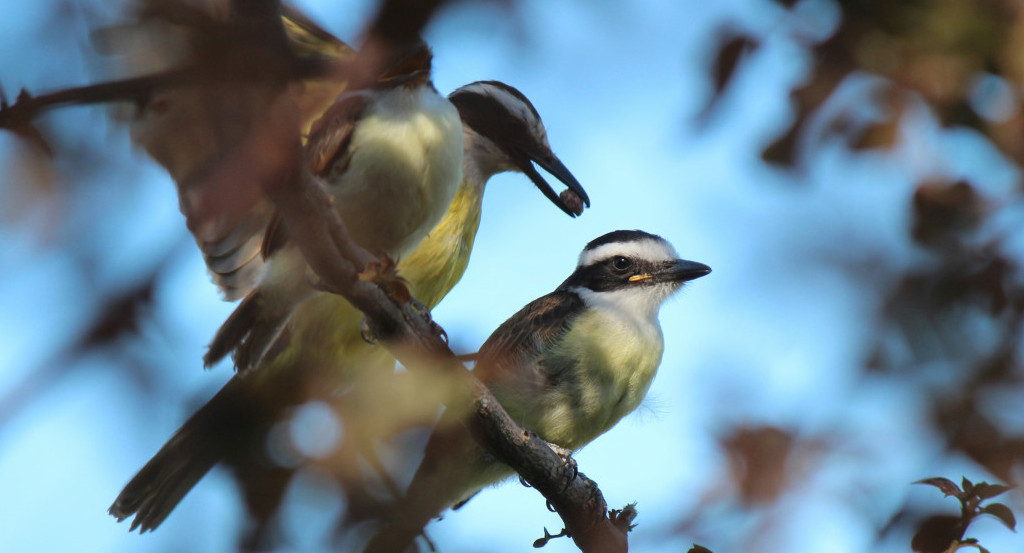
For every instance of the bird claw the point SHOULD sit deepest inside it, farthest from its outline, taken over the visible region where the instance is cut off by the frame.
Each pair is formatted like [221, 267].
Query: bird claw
[384, 273]
[565, 455]
[437, 329]
[366, 333]
[423, 310]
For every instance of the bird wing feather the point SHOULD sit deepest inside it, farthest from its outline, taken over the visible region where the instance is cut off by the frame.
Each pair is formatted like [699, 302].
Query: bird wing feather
[544, 320]
[328, 144]
[331, 135]
[191, 130]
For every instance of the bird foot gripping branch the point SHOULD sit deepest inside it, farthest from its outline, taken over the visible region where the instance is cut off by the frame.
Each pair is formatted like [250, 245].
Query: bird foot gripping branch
[384, 273]
[565, 454]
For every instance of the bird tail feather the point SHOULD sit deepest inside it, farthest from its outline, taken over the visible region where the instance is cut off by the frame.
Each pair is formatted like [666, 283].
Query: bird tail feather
[249, 332]
[161, 484]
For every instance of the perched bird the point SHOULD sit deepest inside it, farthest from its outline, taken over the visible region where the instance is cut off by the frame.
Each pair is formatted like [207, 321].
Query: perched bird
[568, 367]
[502, 132]
[391, 158]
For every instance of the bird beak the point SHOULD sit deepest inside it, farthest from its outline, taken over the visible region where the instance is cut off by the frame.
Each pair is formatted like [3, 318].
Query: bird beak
[678, 271]
[550, 163]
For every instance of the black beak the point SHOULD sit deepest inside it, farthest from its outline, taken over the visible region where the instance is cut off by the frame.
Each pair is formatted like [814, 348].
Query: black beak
[547, 161]
[681, 270]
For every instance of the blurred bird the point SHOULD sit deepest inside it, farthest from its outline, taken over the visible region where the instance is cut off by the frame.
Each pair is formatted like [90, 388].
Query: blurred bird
[568, 367]
[391, 158]
[502, 132]
[189, 130]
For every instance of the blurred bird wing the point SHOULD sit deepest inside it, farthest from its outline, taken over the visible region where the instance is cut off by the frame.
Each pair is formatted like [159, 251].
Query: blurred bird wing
[310, 41]
[192, 130]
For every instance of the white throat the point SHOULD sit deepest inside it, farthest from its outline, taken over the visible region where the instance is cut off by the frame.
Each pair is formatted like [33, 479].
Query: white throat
[637, 305]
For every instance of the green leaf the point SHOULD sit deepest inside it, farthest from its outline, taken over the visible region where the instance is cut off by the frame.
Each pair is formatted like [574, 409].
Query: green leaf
[984, 490]
[1002, 512]
[947, 486]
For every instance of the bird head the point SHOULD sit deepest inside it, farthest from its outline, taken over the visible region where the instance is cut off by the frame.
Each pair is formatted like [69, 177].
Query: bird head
[635, 269]
[504, 132]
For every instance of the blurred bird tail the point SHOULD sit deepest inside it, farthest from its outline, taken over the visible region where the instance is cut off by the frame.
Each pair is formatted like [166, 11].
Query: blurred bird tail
[249, 332]
[158, 488]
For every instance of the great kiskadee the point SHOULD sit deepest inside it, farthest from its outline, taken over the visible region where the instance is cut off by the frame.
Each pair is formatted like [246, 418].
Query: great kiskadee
[391, 158]
[502, 132]
[568, 367]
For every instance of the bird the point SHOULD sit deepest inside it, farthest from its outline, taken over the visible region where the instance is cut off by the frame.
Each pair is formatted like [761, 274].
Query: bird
[567, 366]
[390, 156]
[502, 131]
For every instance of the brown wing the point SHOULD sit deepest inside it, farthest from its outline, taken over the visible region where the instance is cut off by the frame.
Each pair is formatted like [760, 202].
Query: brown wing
[528, 333]
[192, 130]
[331, 134]
[327, 145]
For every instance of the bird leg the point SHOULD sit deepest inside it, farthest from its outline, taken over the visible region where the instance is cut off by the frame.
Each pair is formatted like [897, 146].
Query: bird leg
[366, 333]
[565, 455]
[384, 273]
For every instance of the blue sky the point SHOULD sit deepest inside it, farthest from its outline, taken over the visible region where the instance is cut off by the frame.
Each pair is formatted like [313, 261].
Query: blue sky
[773, 336]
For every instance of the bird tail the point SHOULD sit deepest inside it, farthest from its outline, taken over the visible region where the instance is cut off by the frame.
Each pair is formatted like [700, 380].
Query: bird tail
[250, 331]
[161, 484]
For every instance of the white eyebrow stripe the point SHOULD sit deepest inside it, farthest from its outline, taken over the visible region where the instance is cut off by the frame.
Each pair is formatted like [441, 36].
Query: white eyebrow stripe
[647, 249]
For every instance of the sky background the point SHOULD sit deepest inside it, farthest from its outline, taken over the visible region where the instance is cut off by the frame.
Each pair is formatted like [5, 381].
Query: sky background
[774, 336]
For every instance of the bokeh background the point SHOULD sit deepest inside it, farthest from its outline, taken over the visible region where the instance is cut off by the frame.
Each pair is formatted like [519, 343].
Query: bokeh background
[849, 169]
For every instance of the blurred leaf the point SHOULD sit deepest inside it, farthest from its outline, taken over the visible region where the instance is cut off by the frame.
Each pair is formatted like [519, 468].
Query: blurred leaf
[878, 136]
[947, 486]
[730, 51]
[758, 458]
[968, 486]
[935, 533]
[942, 211]
[984, 490]
[783, 150]
[730, 47]
[1003, 513]
[698, 549]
